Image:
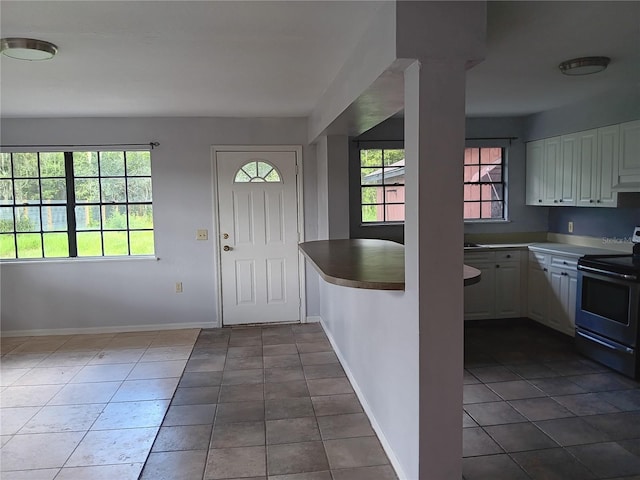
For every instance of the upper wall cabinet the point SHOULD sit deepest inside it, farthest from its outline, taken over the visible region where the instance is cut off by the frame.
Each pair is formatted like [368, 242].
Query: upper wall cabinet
[551, 165]
[535, 173]
[586, 169]
[628, 171]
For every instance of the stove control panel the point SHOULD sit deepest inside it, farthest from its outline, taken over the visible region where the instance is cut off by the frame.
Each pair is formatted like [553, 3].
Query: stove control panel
[636, 235]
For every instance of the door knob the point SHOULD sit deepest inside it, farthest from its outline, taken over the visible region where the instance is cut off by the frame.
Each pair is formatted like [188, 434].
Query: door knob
[226, 248]
[225, 235]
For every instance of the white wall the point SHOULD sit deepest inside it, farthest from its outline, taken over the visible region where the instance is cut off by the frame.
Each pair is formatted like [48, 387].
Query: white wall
[522, 218]
[103, 293]
[376, 335]
[617, 106]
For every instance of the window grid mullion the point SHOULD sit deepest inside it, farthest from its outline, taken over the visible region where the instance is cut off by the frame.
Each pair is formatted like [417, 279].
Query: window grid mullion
[384, 191]
[71, 205]
[102, 205]
[126, 199]
[15, 205]
[41, 204]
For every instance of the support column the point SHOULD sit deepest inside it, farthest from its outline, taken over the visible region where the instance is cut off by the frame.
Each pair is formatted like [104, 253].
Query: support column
[333, 186]
[434, 235]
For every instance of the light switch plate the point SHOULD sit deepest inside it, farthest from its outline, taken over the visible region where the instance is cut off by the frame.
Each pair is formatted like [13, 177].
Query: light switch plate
[636, 235]
[202, 234]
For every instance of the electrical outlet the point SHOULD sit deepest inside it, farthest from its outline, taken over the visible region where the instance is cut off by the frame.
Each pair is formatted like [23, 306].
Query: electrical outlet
[570, 227]
[202, 234]
[178, 287]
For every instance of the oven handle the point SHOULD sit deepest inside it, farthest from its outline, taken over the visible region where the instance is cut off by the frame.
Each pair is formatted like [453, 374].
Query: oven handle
[604, 344]
[608, 273]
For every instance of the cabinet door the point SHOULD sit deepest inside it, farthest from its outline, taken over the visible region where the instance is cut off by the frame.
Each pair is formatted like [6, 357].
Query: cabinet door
[608, 151]
[535, 172]
[479, 301]
[557, 317]
[587, 168]
[566, 171]
[552, 158]
[562, 308]
[628, 174]
[507, 290]
[538, 294]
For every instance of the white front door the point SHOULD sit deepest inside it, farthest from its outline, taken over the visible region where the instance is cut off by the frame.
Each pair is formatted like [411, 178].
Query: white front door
[258, 227]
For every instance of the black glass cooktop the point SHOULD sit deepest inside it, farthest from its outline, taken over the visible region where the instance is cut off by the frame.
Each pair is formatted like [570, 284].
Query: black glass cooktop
[624, 264]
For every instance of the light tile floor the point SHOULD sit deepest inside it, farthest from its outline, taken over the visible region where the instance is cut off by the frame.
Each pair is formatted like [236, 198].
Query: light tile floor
[256, 403]
[78, 407]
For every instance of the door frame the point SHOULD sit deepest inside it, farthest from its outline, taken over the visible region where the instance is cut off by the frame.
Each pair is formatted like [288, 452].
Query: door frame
[297, 149]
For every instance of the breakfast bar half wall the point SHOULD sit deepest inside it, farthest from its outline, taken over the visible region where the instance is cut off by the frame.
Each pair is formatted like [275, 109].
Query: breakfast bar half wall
[374, 330]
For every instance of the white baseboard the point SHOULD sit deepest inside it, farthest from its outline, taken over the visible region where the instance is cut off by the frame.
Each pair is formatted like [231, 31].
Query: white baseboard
[314, 319]
[114, 329]
[365, 405]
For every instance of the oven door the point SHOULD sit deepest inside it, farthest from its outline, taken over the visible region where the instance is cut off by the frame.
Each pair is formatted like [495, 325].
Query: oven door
[608, 306]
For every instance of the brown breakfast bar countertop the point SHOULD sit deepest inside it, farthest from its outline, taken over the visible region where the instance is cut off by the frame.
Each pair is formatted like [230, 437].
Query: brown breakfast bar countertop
[364, 263]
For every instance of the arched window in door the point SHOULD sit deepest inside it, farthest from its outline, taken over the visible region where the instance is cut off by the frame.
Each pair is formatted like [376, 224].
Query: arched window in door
[257, 171]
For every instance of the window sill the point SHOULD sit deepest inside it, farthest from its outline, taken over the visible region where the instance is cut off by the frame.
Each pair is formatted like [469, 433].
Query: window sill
[26, 261]
[392, 224]
[382, 224]
[497, 220]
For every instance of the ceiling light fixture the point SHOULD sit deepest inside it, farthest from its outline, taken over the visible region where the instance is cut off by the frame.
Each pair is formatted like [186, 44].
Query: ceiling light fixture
[584, 65]
[27, 49]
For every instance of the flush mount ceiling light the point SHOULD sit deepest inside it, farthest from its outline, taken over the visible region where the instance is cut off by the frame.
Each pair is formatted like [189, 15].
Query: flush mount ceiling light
[584, 65]
[27, 49]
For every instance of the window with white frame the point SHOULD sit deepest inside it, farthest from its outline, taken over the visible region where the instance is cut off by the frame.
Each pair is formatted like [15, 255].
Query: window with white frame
[75, 204]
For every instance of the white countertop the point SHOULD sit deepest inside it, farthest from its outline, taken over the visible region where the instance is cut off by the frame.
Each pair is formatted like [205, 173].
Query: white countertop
[548, 247]
[574, 250]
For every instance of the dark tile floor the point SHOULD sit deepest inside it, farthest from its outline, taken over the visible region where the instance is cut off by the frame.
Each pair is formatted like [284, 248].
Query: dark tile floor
[535, 409]
[265, 403]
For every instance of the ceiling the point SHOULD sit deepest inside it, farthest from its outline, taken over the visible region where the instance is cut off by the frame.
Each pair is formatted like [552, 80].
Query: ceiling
[265, 58]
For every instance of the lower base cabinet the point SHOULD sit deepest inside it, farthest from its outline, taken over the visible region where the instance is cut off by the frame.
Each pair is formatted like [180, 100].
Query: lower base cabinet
[497, 295]
[552, 291]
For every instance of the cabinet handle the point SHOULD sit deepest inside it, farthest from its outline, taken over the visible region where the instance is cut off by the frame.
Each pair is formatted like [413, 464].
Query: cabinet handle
[560, 200]
[539, 200]
[564, 263]
[598, 201]
[497, 266]
[591, 201]
[508, 256]
[545, 270]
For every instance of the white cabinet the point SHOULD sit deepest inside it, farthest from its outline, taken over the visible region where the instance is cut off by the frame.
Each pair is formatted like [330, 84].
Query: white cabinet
[507, 281]
[608, 151]
[552, 158]
[588, 187]
[566, 168]
[498, 294]
[553, 284]
[535, 172]
[479, 298]
[627, 176]
[586, 168]
[551, 165]
[597, 159]
[538, 287]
